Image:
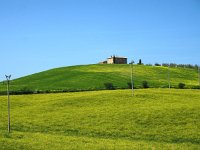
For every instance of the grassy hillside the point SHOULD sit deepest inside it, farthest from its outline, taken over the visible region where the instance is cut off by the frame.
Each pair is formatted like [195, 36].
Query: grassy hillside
[152, 119]
[93, 77]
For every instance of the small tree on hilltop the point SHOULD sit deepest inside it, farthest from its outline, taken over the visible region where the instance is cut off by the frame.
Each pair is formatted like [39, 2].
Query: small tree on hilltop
[140, 62]
[157, 64]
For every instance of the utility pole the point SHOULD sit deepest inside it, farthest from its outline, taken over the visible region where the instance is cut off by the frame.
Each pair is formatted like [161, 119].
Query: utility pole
[8, 93]
[132, 84]
[169, 76]
[199, 74]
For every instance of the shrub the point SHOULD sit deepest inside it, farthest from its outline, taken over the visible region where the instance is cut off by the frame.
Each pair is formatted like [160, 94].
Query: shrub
[157, 64]
[26, 90]
[165, 64]
[196, 87]
[130, 85]
[181, 65]
[173, 65]
[145, 84]
[181, 85]
[189, 66]
[109, 86]
[3, 92]
[149, 65]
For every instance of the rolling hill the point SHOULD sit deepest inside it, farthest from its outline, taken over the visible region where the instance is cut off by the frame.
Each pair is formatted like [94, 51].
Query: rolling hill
[93, 77]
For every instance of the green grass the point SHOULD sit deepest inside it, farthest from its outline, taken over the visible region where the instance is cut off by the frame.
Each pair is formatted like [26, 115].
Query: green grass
[152, 119]
[93, 77]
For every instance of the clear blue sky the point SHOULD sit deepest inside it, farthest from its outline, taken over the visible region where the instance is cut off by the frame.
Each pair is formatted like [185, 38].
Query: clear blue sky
[36, 35]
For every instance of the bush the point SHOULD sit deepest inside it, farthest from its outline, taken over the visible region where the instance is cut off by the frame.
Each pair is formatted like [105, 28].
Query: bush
[181, 85]
[149, 65]
[181, 65]
[26, 90]
[157, 64]
[3, 92]
[109, 86]
[130, 85]
[188, 66]
[196, 87]
[165, 64]
[145, 84]
[173, 65]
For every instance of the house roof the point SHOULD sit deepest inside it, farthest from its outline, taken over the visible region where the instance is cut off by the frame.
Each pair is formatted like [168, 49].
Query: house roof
[118, 57]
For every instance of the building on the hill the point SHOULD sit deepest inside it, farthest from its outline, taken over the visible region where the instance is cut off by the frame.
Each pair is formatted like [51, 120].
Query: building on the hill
[103, 62]
[116, 60]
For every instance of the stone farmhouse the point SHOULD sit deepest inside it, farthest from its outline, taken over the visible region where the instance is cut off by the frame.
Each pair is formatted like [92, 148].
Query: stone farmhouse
[115, 60]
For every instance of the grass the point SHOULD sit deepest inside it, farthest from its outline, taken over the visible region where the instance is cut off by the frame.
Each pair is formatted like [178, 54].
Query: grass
[152, 119]
[93, 77]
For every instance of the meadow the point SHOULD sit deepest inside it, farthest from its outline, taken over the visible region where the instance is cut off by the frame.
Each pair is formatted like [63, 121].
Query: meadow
[93, 77]
[111, 119]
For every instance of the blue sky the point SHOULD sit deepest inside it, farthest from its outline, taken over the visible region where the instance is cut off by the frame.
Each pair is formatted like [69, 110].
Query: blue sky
[36, 35]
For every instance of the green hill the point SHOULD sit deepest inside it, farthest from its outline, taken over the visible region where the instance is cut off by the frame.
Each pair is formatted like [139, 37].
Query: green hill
[159, 119]
[93, 77]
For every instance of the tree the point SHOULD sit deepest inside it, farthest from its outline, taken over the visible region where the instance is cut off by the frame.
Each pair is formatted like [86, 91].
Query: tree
[140, 62]
[157, 64]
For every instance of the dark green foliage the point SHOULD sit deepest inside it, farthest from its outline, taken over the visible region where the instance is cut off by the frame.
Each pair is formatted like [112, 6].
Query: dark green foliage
[149, 65]
[173, 65]
[130, 85]
[114, 59]
[132, 62]
[187, 66]
[3, 92]
[181, 65]
[26, 90]
[181, 85]
[165, 64]
[145, 84]
[109, 86]
[140, 62]
[196, 87]
[157, 64]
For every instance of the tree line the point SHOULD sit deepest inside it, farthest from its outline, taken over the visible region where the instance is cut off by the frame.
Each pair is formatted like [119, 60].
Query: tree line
[172, 65]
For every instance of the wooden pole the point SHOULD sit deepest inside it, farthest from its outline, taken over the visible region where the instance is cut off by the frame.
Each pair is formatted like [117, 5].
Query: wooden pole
[199, 74]
[169, 76]
[8, 93]
[132, 84]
